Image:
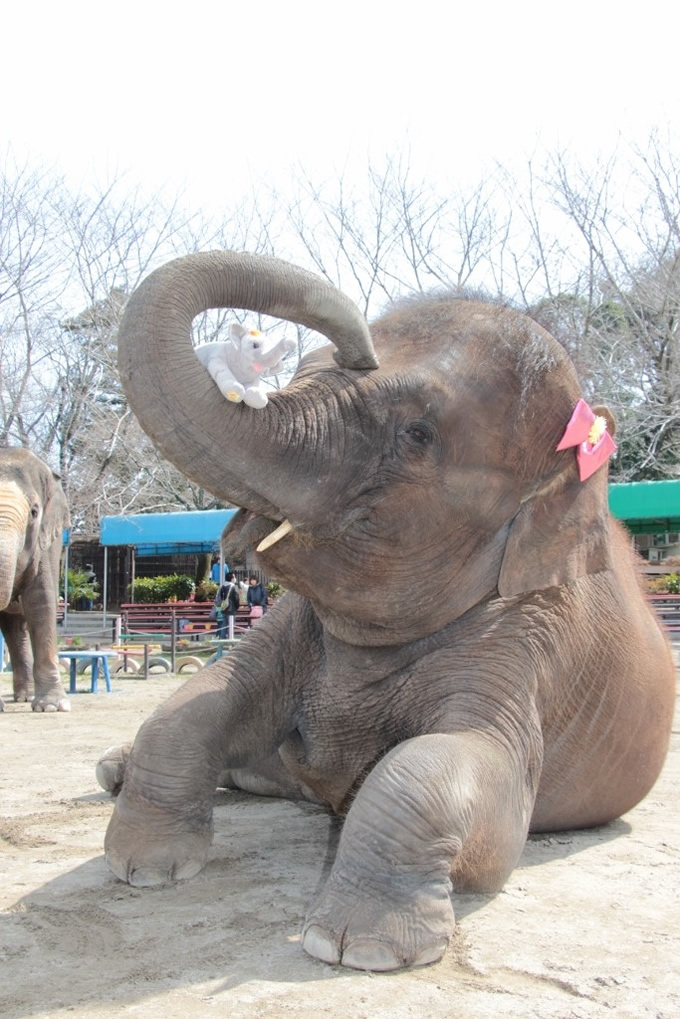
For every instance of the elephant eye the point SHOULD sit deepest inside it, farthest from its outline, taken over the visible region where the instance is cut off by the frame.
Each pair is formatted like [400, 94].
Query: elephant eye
[34, 512]
[419, 432]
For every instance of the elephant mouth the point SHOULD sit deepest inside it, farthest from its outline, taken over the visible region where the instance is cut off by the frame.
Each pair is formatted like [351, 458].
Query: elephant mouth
[249, 529]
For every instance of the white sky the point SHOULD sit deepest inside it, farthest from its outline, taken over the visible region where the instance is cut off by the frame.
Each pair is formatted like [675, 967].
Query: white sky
[213, 96]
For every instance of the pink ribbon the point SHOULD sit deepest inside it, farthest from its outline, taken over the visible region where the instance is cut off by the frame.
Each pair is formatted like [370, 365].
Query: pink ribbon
[589, 433]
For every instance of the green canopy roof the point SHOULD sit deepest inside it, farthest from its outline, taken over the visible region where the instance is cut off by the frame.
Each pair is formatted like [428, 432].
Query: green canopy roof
[647, 507]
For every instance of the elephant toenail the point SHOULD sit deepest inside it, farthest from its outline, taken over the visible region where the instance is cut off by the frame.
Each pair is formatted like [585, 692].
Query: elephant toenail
[431, 953]
[367, 953]
[316, 942]
[148, 878]
[187, 870]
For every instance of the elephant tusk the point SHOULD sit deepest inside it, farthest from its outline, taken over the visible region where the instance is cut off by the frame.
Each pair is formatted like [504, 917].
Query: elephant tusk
[281, 531]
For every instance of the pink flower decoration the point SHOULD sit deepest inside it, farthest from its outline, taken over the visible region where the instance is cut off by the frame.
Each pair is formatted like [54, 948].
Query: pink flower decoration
[589, 433]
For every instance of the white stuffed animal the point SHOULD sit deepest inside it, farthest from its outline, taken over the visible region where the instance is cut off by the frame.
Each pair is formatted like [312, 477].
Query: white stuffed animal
[238, 364]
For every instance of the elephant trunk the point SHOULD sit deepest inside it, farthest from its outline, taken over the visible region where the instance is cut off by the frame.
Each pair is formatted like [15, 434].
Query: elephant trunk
[232, 450]
[14, 511]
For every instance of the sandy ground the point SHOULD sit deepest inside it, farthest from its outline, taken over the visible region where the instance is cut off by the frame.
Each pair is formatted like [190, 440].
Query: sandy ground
[588, 925]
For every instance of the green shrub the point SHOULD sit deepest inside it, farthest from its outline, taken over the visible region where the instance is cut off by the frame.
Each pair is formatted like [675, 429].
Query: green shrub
[668, 584]
[206, 591]
[275, 590]
[158, 589]
[80, 590]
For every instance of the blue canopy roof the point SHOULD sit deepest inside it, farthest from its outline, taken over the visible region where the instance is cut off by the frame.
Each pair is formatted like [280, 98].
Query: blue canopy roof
[167, 533]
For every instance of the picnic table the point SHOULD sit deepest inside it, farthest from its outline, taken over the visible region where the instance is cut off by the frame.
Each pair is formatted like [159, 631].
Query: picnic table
[96, 658]
[221, 645]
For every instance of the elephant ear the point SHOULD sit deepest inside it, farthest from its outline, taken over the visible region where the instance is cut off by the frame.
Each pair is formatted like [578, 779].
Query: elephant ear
[56, 516]
[561, 533]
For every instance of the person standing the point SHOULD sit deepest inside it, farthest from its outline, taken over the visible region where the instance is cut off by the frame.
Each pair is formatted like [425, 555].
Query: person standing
[215, 572]
[91, 579]
[227, 603]
[256, 598]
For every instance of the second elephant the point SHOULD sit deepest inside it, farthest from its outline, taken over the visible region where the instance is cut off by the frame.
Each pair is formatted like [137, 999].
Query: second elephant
[33, 517]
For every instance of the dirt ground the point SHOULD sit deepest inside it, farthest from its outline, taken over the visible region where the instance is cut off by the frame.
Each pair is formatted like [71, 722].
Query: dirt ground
[587, 926]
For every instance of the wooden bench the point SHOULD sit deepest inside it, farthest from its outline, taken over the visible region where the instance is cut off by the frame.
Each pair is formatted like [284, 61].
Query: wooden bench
[667, 607]
[190, 618]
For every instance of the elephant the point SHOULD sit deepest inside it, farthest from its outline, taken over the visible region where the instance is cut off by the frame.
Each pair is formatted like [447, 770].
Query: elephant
[33, 516]
[464, 652]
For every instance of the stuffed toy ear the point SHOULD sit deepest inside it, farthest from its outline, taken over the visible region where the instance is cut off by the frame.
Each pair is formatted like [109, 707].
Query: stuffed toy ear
[237, 332]
[558, 535]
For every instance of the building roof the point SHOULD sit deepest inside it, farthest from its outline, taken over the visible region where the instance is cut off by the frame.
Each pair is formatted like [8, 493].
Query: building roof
[647, 507]
[167, 533]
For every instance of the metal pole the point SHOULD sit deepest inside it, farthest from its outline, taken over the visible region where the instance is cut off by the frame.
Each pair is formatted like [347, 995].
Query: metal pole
[65, 586]
[173, 639]
[105, 586]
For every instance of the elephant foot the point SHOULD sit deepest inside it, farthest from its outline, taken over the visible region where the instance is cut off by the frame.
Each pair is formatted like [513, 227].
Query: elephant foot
[146, 845]
[22, 695]
[355, 927]
[110, 770]
[53, 700]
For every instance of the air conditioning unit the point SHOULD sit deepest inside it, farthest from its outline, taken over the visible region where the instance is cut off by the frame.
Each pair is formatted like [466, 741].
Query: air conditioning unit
[663, 539]
[656, 555]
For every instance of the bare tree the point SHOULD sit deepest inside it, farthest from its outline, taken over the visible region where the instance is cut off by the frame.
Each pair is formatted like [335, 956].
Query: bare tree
[395, 235]
[619, 277]
[31, 281]
[593, 252]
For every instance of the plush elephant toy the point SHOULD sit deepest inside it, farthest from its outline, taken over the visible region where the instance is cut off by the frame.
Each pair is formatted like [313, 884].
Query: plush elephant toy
[33, 516]
[238, 364]
[464, 652]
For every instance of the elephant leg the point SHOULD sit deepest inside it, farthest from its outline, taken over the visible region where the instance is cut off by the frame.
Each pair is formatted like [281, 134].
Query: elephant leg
[270, 778]
[41, 620]
[110, 770]
[436, 808]
[229, 716]
[267, 778]
[20, 655]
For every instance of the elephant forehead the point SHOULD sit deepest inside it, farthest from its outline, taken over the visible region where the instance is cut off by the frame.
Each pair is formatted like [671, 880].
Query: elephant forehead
[14, 505]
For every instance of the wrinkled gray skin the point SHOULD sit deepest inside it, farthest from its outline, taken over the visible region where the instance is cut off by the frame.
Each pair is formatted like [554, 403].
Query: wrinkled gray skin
[464, 653]
[33, 515]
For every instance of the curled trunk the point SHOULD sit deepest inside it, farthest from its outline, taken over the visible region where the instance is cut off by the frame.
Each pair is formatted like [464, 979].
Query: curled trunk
[229, 449]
